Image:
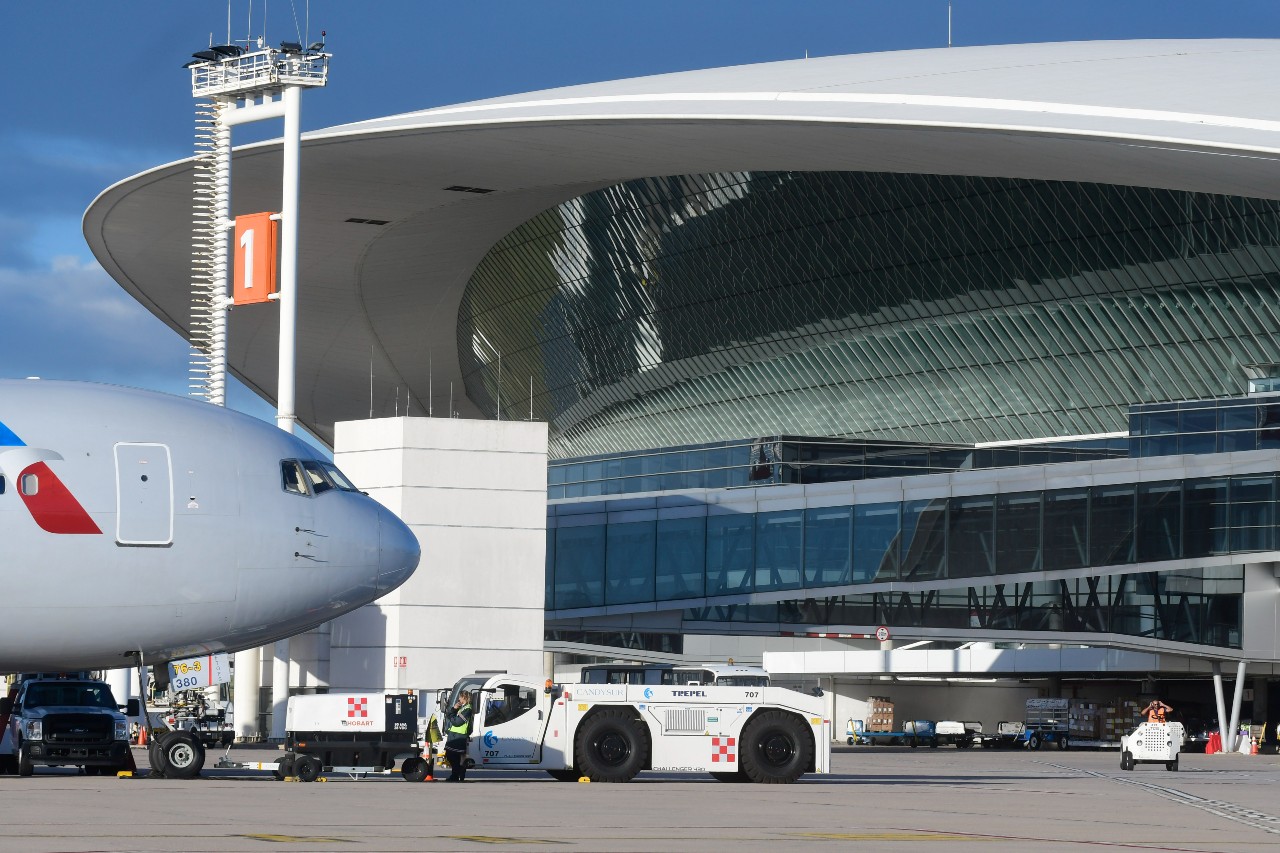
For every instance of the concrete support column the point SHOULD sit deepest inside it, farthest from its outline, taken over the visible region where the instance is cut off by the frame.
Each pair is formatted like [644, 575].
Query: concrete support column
[1235, 708]
[279, 688]
[248, 679]
[121, 682]
[1221, 704]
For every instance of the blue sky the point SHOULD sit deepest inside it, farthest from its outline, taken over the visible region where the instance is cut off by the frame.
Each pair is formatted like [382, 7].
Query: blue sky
[93, 92]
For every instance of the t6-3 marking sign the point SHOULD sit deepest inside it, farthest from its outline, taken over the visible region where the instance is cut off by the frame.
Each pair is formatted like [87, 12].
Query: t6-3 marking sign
[255, 266]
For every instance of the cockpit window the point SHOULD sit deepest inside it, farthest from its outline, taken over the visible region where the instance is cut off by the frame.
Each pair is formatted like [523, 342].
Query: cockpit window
[316, 477]
[338, 479]
[1, 484]
[294, 480]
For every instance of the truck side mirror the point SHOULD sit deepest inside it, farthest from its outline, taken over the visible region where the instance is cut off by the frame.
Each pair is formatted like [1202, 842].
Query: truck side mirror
[6, 705]
[131, 709]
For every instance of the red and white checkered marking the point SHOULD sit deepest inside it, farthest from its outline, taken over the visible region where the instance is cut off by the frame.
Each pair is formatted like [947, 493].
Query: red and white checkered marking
[724, 749]
[357, 707]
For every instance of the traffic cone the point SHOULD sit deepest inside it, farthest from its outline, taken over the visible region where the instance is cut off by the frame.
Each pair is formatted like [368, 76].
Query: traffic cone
[1253, 747]
[142, 736]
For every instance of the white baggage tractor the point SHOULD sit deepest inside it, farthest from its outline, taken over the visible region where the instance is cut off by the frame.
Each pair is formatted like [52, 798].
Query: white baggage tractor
[1152, 743]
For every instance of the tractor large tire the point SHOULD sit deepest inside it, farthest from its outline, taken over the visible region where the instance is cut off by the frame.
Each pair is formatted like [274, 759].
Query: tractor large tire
[775, 748]
[1126, 760]
[565, 774]
[611, 746]
[735, 776]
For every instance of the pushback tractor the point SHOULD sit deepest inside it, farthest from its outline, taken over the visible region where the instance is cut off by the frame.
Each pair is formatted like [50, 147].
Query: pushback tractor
[611, 732]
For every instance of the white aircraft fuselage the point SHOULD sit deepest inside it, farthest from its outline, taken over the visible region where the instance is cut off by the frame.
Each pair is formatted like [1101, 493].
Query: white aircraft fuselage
[132, 521]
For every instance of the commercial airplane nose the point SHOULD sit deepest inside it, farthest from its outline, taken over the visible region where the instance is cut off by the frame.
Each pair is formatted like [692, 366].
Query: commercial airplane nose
[398, 551]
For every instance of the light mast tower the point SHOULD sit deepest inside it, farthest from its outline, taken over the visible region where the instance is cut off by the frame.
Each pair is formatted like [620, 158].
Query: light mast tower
[234, 86]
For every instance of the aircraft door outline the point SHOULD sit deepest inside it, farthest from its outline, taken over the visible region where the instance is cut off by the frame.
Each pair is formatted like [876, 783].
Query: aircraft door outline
[144, 494]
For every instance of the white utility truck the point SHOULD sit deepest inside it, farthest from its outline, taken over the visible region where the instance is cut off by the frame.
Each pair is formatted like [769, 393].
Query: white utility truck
[611, 732]
[1152, 743]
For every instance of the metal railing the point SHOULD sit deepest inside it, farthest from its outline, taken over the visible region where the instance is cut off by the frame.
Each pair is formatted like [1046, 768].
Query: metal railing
[261, 69]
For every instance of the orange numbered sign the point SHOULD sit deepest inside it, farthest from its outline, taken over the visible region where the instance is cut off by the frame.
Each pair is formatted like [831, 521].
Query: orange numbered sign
[257, 239]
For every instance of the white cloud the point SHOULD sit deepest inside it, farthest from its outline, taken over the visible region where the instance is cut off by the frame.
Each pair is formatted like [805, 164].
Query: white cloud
[70, 320]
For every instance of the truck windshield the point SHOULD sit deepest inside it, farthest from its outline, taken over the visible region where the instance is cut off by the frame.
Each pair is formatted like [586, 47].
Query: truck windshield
[69, 693]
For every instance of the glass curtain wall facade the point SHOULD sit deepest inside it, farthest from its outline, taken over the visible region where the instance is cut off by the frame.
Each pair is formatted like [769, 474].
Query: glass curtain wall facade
[701, 308]
[670, 548]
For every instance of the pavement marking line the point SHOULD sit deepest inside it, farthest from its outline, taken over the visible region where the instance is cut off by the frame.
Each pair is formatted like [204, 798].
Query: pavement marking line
[497, 839]
[1229, 811]
[294, 839]
[891, 836]
[927, 835]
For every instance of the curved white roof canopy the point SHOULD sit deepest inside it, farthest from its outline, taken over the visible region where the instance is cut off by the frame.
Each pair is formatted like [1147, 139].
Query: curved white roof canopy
[1187, 115]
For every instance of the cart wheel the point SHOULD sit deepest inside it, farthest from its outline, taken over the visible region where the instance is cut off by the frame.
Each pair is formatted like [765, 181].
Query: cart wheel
[850, 741]
[1126, 760]
[1064, 742]
[414, 769]
[1033, 742]
[1172, 766]
[307, 768]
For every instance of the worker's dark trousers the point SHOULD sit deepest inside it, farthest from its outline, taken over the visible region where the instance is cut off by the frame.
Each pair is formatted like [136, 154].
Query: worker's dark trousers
[457, 759]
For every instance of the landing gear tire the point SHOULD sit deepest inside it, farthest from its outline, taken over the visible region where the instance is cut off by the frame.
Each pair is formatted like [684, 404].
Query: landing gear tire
[307, 768]
[25, 765]
[775, 748]
[565, 775]
[181, 756]
[1126, 760]
[1172, 766]
[414, 769]
[611, 746]
[155, 755]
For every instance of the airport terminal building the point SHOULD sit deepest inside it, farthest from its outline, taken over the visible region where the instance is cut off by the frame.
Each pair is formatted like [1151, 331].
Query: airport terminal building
[978, 345]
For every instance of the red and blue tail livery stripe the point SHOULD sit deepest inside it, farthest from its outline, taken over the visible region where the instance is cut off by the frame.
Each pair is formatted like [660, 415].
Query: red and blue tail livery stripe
[49, 501]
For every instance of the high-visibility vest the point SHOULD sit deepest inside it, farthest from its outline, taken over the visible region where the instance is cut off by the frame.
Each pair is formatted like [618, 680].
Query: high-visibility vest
[461, 728]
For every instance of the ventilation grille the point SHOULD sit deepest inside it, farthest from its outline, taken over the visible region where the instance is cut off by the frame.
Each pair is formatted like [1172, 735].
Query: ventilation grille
[688, 720]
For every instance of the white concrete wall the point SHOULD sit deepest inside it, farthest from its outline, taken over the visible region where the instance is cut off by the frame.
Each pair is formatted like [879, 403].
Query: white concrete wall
[475, 493]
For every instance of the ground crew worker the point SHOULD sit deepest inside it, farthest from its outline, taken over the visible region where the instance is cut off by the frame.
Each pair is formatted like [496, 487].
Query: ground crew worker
[1156, 711]
[458, 723]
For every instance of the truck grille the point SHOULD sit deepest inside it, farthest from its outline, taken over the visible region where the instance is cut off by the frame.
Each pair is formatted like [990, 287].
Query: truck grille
[67, 729]
[686, 721]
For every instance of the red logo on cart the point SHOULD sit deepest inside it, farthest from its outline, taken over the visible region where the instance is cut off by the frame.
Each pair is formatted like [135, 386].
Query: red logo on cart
[724, 749]
[357, 707]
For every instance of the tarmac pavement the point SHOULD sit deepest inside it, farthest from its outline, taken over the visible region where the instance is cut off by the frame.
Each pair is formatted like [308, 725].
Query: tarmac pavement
[878, 799]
